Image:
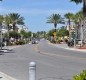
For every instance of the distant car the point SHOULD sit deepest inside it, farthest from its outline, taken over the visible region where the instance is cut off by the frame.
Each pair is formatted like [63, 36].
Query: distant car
[34, 41]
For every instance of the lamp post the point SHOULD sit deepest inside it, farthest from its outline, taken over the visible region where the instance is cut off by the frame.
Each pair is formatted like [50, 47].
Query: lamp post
[1, 35]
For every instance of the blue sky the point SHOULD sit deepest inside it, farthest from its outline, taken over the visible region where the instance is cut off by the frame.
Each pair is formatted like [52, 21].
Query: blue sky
[36, 12]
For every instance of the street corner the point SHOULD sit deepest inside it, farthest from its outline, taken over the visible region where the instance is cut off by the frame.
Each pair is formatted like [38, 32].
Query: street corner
[4, 76]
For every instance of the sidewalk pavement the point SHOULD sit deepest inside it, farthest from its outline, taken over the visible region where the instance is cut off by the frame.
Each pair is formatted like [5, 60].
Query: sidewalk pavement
[64, 46]
[4, 76]
[11, 47]
[7, 49]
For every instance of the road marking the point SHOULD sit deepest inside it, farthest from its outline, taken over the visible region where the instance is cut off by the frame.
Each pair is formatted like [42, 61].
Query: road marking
[51, 54]
[36, 48]
[54, 55]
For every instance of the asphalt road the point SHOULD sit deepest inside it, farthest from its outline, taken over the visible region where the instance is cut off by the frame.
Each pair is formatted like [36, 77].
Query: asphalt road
[53, 63]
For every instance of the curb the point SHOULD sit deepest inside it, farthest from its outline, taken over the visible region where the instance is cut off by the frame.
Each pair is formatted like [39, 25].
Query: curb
[6, 77]
[67, 48]
[75, 49]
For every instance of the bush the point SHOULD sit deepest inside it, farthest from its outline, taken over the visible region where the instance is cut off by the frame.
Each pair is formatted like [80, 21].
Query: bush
[66, 40]
[59, 41]
[21, 42]
[81, 76]
[9, 44]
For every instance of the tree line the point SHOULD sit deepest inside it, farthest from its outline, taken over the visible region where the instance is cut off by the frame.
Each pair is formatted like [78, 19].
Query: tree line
[10, 22]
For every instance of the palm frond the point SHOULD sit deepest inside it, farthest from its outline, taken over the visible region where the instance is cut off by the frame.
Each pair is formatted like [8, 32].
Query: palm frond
[77, 1]
[55, 19]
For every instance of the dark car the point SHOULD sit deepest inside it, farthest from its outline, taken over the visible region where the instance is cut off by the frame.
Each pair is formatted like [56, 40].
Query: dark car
[34, 41]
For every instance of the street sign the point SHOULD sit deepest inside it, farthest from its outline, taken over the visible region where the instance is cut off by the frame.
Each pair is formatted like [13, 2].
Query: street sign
[54, 33]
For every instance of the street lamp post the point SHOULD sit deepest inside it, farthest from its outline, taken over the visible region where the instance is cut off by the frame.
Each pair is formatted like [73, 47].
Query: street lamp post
[1, 36]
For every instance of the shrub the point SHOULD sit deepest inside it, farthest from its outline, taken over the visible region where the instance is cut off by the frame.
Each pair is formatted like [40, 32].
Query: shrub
[21, 42]
[66, 40]
[59, 41]
[81, 76]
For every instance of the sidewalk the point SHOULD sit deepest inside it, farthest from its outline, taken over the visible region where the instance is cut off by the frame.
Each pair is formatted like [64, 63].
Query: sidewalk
[11, 47]
[64, 46]
[7, 49]
[5, 77]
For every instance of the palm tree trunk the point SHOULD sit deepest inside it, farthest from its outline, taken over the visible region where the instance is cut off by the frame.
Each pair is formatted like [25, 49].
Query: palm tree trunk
[8, 34]
[55, 25]
[84, 21]
[76, 28]
[84, 8]
[69, 30]
[14, 26]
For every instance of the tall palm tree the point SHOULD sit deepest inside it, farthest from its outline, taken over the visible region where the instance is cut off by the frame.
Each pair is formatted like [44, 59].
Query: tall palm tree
[84, 5]
[78, 16]
[7, 20]
[84, 14]
[16, 19]
[77, 19]
[55, 19]
[69, 16]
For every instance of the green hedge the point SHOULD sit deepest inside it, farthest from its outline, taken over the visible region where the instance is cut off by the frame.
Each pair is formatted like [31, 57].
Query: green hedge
[21, 42]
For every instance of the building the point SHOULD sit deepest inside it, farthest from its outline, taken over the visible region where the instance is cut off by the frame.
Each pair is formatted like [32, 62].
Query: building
[20, 27]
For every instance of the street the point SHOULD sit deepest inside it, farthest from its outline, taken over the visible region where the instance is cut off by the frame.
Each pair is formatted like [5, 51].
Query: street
[52, 63]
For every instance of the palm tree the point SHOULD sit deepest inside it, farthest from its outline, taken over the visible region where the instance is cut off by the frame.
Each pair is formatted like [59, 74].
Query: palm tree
[78, 17]
[77, 21]
[84, 5]
[69, 16]
[84, 14]
[16, 19]
[55, 19]
[7, 21]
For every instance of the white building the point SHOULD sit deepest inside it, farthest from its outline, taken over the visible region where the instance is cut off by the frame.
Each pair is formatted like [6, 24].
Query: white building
[4, 28]
[20, 27]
